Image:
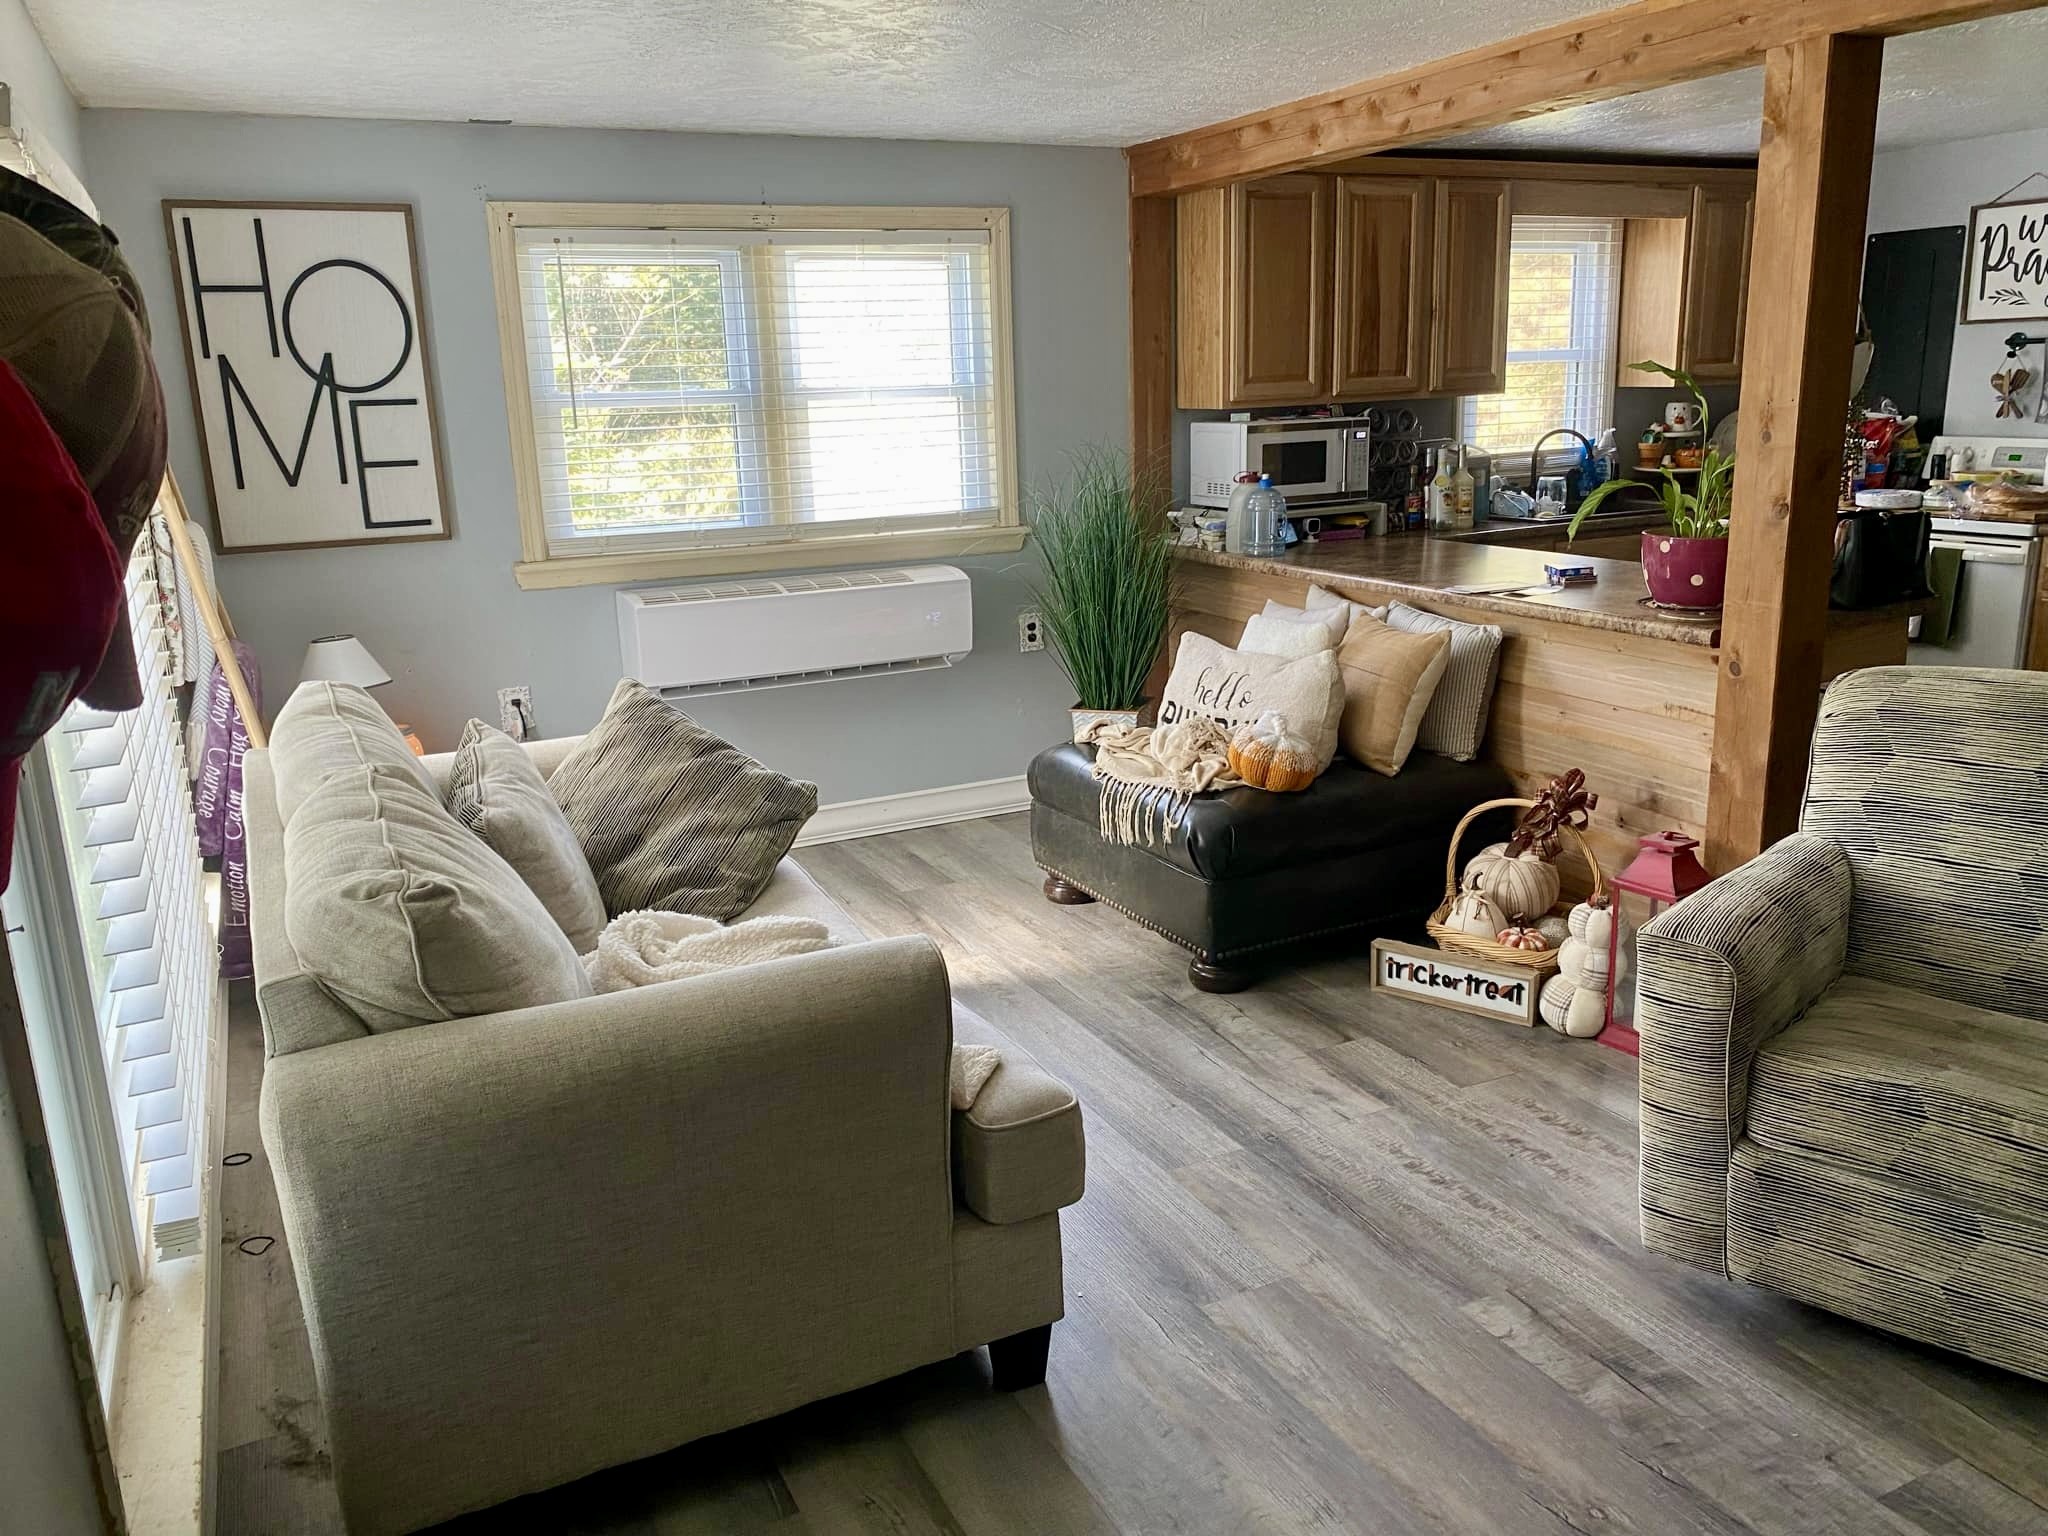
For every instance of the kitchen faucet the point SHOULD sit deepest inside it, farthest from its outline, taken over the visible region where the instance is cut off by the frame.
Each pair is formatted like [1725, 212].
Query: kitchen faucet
[1536, 459]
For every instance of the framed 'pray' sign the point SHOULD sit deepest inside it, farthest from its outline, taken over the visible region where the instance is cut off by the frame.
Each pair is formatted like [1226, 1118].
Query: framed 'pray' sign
[2008, 263]
[307, 351]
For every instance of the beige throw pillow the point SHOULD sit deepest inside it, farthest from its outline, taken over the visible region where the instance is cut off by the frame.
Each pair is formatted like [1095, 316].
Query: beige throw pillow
[1288, 634]
[1234, 688]
[406, 916]
[670, 816]
[1321, 600]
[496, 792]
[1389, 679]
[327, 728]
[1338, 619]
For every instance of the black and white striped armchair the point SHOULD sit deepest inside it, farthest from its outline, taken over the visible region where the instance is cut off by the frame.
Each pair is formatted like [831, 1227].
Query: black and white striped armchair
[1845, 1041]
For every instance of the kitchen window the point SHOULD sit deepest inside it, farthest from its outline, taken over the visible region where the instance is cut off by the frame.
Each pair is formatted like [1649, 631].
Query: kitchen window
[1563, 295]
[707, 389]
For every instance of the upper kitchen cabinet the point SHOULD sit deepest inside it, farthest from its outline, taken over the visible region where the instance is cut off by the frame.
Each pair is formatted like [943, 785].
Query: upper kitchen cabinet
[1469, 351]
[1717, 281]
[1254, 293]
[1384, 273]
[1685, 284]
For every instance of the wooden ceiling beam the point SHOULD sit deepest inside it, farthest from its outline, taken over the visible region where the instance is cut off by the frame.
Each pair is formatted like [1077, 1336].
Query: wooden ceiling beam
[1591, 58]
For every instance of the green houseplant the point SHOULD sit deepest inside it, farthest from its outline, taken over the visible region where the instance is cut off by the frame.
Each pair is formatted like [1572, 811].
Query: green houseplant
[1108, 552]
[1688, 566]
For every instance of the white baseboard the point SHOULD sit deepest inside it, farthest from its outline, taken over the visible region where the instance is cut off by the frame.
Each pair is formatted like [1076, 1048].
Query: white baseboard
[917, 808]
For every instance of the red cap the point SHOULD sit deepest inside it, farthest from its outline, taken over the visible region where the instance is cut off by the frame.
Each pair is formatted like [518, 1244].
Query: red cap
[60, 588]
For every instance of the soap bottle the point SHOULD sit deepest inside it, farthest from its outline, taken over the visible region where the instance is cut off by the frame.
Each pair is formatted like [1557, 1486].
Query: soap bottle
[1463, 492]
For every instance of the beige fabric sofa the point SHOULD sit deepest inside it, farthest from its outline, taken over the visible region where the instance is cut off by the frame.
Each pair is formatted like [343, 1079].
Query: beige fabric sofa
[538, 1243]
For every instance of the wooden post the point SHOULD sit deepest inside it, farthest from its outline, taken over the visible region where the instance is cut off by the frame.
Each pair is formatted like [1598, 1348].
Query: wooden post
[1152, 269]
[1812, 193]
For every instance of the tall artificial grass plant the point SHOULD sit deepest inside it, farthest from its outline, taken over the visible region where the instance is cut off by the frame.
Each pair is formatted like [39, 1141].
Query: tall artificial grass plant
[1108, 551]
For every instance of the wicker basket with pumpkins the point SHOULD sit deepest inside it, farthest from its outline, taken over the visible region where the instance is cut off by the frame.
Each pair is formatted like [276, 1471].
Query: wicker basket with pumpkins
[1504, 906]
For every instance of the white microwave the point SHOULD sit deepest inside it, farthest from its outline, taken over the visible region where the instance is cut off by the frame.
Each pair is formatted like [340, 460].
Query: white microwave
[1313, 459]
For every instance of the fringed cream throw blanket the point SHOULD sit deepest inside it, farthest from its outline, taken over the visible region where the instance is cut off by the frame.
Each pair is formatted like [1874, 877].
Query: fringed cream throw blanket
[1149, 774]
[638, 949]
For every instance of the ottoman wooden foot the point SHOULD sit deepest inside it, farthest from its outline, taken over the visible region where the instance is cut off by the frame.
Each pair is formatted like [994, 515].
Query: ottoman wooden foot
[1057, 890]
[1208, 976]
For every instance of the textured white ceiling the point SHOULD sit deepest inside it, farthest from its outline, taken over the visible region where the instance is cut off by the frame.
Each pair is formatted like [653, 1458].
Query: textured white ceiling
[1960, 82]
[1032, 71]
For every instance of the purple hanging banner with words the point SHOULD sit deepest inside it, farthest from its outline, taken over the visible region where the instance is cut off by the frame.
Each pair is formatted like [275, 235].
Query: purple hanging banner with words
[217, 806]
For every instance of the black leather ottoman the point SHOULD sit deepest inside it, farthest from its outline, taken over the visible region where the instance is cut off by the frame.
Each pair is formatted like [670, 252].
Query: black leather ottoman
[1247, 871]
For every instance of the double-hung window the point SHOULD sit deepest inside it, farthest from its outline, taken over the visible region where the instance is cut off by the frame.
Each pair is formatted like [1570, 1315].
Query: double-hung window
[1563, 297]
[707, 389]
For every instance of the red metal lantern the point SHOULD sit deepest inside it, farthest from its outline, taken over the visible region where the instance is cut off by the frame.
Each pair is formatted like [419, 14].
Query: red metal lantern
[1664, 871]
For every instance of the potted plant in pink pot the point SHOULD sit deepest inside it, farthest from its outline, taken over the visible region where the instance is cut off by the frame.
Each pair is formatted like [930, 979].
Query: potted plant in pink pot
[1686, 565]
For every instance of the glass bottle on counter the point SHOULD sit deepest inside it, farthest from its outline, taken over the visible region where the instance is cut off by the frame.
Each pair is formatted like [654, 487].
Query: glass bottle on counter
[1440, 496]
[1463, 492]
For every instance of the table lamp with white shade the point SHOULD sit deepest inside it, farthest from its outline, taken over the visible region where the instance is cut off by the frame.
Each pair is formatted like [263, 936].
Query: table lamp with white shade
[345, 659]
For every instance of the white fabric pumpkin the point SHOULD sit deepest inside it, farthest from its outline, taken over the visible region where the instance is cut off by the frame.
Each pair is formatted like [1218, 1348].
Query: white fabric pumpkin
[1586, 965]
[1580, 1012]
[1525, 886]
[1474, 912]
[1595, 925]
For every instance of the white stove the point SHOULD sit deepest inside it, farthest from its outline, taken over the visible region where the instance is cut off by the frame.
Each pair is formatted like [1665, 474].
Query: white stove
[2001, 562]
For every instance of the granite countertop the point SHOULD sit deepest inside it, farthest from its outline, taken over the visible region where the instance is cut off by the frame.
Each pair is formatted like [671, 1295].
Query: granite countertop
[1418, 567]
[1510, 530]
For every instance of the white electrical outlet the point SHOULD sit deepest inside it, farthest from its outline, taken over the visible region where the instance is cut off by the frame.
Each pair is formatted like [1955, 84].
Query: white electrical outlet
[1030, 630]
[515, 710]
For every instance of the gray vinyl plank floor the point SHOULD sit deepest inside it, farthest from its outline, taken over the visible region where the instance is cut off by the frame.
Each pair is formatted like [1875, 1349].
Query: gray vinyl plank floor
[1346, 1264]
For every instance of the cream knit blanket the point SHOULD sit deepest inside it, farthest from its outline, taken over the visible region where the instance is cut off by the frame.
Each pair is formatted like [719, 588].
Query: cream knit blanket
[638, 949]
[1149, 774]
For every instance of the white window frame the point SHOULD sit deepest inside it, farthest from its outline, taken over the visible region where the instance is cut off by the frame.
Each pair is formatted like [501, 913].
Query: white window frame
[1596, 351]
[540, 567]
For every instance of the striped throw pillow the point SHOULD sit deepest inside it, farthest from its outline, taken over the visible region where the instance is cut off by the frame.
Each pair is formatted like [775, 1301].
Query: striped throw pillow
[672, 817]
[1455, 725]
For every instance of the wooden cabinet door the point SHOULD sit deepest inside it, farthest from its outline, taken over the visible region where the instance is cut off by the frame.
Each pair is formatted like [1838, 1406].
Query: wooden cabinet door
[1469, 328]
[1383, 263]
[1279, 290]
[1717, 282]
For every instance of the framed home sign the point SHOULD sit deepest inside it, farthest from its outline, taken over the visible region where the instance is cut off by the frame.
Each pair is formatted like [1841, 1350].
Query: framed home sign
[2007, 276]
[307, 351]
[1504, 992]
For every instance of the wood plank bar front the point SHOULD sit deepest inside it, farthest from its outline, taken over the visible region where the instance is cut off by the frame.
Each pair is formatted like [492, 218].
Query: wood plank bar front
[1813, 190]
[1591, 58]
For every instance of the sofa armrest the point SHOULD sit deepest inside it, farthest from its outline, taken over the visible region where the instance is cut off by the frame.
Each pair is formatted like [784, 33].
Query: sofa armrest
[1018, 1152]
[1718, 975]
[584, 1233]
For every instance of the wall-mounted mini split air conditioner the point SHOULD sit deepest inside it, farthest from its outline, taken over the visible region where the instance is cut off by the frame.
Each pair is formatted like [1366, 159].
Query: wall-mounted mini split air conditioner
[773, 632]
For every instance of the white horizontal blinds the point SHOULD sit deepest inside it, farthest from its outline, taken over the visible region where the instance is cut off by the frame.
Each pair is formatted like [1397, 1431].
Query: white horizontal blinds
[715, 388]
[1564, 293]
[142, 906]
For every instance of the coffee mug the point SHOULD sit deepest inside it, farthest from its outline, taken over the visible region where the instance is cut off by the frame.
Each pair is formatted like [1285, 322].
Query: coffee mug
[1684, 415]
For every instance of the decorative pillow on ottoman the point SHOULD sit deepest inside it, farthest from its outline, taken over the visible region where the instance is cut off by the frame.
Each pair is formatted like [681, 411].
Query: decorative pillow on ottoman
[670, 816]
[496, 792]
[1455, 724]
[1234, 688]
[1389, 677]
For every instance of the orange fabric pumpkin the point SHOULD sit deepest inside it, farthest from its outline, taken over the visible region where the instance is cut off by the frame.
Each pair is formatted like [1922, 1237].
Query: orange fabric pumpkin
[1267, 754]
[1522, 938]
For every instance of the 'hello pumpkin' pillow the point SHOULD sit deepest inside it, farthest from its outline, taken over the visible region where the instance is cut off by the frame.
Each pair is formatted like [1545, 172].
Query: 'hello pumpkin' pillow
[1234, 688]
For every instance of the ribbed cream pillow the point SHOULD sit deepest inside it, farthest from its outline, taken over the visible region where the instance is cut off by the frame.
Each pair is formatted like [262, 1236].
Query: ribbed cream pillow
[1455, 724]
[406, 916]
[1389, 678]
[496, 792]
[1234, 688]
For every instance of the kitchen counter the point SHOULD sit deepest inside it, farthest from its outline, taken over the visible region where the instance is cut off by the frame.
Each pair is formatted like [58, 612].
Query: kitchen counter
[1590, 677]
[1424, 568]
[1601, 529]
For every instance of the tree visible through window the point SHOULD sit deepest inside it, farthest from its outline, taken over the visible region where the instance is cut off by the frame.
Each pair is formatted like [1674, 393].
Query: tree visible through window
[1562, 298]
[699, 387]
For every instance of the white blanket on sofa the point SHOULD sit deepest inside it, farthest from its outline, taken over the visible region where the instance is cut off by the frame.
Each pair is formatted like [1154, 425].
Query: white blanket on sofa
[638, 949]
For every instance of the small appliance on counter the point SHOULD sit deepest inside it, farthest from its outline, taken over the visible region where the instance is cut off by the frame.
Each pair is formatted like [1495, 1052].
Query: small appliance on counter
[1309, 459]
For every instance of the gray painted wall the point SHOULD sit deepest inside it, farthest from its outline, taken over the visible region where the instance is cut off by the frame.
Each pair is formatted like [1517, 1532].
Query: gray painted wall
[1939, 184]
[446, 619]
[42, 102]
